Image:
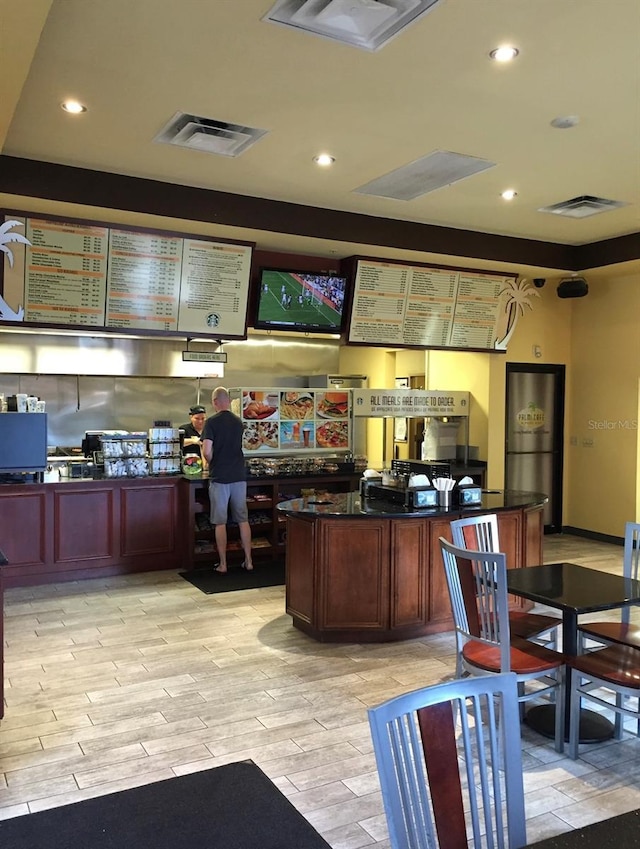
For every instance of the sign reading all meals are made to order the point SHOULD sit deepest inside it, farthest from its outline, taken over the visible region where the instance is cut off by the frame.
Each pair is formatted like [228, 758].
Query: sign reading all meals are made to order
[399, 304]
[89, 275]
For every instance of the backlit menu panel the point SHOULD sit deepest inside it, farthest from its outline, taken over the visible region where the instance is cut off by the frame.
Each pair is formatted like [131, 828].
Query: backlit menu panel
[85, 274]
[419, 306]
[65, 273]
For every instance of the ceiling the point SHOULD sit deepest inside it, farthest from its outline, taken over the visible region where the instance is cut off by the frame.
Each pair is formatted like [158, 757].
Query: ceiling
[432, 88]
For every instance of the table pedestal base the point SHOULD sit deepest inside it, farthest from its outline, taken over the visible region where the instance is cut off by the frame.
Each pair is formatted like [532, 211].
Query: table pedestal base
[594, 728]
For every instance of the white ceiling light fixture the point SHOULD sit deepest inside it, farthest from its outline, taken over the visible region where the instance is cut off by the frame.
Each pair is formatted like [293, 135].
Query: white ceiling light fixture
[73, 107]
[504, 54]
[509, 194]
[368, 24]
[324, 159]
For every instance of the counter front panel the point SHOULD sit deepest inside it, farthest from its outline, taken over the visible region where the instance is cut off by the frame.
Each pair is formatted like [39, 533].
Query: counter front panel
[366, 570]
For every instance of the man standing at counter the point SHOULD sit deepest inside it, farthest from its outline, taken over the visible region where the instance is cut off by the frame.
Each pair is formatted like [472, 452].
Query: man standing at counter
[222, 449]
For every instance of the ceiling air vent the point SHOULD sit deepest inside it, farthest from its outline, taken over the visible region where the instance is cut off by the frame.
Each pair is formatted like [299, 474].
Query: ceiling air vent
[367, 24]
[208, 135]
[430, 172]
[582, 207]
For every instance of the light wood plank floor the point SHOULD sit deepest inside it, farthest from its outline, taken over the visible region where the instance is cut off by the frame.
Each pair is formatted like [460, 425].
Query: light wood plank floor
[124, 681]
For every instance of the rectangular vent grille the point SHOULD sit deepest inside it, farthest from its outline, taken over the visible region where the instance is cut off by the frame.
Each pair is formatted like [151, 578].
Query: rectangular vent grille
[368, 24]
[207, 135]
[424, 175]
[582, 207]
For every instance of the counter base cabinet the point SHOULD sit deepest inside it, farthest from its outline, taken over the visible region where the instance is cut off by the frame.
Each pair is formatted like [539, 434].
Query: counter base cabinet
[70, 531]
[376, 579]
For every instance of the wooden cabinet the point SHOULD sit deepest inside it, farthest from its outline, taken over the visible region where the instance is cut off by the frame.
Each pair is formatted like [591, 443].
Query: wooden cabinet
[268, 526]
[86, 528]
[373, 578]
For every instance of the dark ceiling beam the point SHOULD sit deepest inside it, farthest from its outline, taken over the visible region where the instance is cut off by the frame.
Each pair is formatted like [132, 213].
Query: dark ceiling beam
[32, 178]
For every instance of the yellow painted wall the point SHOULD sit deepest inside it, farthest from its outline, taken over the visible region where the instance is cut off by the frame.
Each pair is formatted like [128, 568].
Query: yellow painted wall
[603, 401]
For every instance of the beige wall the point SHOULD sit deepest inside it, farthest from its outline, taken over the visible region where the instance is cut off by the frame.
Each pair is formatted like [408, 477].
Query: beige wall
[602, 492]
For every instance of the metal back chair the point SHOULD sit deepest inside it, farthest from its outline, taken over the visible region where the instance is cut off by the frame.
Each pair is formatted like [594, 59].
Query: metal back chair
[480, 533]
[477, 584]
[434, 768]
[623, 631]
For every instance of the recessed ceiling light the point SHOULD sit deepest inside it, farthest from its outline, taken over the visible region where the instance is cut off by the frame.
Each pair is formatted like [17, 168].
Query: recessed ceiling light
[509, 194]
[73, 106]
[324, 159]
[504, 54]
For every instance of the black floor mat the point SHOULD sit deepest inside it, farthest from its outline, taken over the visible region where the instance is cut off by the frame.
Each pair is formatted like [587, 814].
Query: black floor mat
[266, 573]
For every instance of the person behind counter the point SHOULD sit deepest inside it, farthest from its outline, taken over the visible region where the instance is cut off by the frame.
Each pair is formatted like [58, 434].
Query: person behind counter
[222, 450]
[193, 430]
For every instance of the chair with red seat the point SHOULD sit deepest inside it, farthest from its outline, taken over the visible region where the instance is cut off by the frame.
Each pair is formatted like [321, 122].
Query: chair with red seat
[477, 584]
[623, 631]
[480, 533]
[609, 677]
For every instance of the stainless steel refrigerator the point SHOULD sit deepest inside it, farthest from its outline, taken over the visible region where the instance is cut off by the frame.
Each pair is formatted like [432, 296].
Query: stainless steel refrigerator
[534, 449]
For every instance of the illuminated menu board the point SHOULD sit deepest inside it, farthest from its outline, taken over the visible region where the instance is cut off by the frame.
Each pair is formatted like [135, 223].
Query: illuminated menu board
[397, 304]
[83, 274]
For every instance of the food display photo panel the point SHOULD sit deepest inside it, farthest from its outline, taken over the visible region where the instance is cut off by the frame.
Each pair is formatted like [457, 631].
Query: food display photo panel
[332, 434]
[332, 405]
[260, 436]
[294, 436]
[260, 405]
[296, 405]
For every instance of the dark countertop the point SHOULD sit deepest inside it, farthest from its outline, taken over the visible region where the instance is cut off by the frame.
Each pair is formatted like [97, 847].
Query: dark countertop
[350, 504]
[621, 832]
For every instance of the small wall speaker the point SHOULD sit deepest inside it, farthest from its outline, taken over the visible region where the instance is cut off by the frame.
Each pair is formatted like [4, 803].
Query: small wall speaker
[574, 287]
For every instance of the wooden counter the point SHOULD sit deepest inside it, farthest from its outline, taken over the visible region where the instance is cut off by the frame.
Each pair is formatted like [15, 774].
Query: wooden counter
[370, 571]
[89, 528]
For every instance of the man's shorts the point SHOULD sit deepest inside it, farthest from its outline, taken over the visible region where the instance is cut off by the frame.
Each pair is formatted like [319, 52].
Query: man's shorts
[228, 498]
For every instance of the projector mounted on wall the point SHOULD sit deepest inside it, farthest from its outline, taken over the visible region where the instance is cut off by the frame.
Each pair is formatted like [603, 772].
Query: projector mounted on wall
[573, 287]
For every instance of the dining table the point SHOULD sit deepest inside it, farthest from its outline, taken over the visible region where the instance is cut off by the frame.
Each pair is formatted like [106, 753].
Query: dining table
[574, 590]
[619, 832]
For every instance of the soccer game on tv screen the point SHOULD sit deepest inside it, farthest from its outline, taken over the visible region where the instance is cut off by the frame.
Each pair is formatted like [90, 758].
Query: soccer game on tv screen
[300, 301]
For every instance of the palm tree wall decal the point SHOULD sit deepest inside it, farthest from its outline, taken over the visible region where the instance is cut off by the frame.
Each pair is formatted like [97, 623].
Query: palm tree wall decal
[517, 294]
[6, 237]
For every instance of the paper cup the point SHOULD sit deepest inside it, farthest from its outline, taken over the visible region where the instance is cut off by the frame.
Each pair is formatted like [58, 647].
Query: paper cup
[31, 403]
[40, 406]
[21, 403]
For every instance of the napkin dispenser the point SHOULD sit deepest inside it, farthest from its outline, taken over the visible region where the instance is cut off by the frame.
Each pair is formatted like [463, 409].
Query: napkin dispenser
[367, 483]
[469, 495]
[420, 497]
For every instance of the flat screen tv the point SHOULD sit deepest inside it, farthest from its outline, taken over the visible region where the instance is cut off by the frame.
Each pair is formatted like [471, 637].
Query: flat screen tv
[300, 301]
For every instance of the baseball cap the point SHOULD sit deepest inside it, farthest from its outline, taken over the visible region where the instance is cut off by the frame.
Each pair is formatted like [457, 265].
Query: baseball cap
[194, 411]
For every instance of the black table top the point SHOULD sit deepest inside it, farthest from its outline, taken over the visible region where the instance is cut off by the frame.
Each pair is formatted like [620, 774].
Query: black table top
[573, 588]
[348, 505]
[621, 832]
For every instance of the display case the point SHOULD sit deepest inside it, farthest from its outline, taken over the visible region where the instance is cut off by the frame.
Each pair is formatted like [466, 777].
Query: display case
[125, 455]
[165, 456]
